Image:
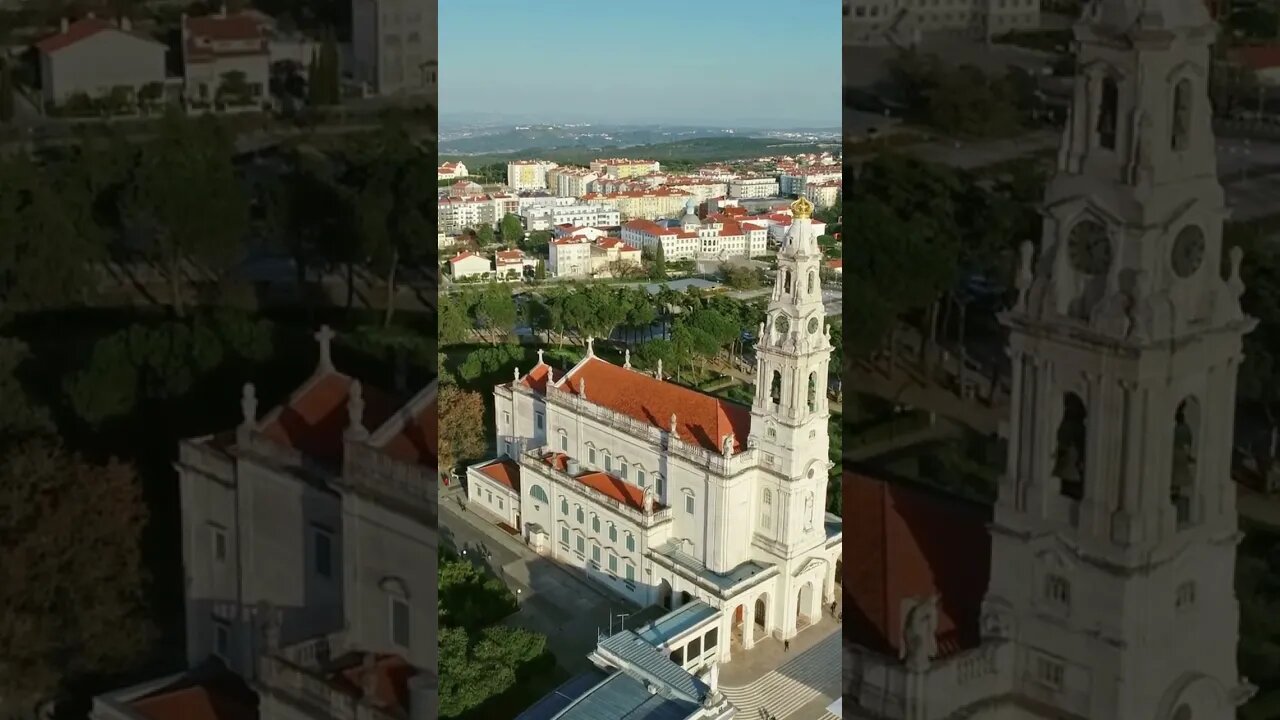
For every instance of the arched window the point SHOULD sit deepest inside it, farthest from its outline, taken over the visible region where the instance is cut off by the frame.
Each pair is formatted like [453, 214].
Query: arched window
[1181, 124]
[1057, 590]
[608, 461]
[581, 516]
[537, 493]
[564, 440]
[766, 509]
[613, 533]
[1186, 430]
[631, 542]
[1069, 463]
[812, 278]
[775, 388]
[813, 392]
[786, 281]
[595, 523]
[1108, 113]
[564, 506]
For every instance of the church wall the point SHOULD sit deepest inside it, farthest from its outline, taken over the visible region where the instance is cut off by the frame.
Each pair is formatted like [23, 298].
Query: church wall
[496, 498]
[208, 508]
[390, 556]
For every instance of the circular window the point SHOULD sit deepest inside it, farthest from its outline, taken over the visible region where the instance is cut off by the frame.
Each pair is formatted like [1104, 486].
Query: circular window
[813, 326]
[1188, 251]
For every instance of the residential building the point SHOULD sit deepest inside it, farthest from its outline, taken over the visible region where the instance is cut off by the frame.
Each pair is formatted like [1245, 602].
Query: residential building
[512, 264]
[718, 237]
[793, 181]
[753, 187]
[394, 45]
[466, 188]
[220, 47]
[570, 181]
[455, 214]
[545, 217]
[672, 497]
[700, 189]
[647, 204]
[495, 487]
[902, 22]
[779, 223]
[309, 547]
[569, 256]
[1101, 584]
[528, 174]
[587, 252]
[451, 170]
[94, 56]
[836, 266]
[822, 194]
[468, 264]
[617, 168]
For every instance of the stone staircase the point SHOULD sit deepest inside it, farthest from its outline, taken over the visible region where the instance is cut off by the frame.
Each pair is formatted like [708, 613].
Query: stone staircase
[813, 673]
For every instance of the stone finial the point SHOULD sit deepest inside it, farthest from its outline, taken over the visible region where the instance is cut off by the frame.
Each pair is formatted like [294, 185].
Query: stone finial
[726, 445]
[582, 388]
[540, 360]
[626, 359]
[591, 346]
[369, 675]
[673, 423]
[551, 374]
[1026, 254]
[355, 412]
[1236, 257]
[249, 405]
[325, 336]
[658, 374]
[648, 499]
[515, 373]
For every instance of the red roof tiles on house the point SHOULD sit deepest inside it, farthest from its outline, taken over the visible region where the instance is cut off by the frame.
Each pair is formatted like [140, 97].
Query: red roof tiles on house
[503, 472]
[536, 379]
[701, 419]
[206, 693]
[391, 687]
[418, 442]
[912, 543]
[312, 422]
[83, 30]
[609, 485]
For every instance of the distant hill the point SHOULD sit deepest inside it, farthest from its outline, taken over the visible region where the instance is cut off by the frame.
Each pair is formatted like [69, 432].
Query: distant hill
[693, 150]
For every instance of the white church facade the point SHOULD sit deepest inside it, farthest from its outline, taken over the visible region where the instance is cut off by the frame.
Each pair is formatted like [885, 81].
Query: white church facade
[672, 497]
[1110, 552]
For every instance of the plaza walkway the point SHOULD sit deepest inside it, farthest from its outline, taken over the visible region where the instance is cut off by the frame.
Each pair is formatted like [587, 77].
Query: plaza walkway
[800, 688]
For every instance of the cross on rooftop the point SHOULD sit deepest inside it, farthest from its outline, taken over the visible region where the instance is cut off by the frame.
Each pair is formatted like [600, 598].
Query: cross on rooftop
[325, 336]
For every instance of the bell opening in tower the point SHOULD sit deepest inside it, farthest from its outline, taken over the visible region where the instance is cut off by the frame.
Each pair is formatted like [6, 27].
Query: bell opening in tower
[1069, 462]
[1108, 109]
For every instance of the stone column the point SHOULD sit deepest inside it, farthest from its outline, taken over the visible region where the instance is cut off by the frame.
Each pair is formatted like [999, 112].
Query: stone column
[749, 625]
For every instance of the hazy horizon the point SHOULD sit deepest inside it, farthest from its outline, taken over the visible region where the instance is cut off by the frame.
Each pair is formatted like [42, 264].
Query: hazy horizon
[717, 64]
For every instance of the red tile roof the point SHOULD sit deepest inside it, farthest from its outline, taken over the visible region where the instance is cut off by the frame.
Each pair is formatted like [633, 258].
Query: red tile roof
[207, 31]
[313, 420]
[208, 692]
[83, 30]
[504, 472]
[1259, 57]
[610, 485]
[391, 692]
[701, 419]
[536, 379]
[912, 543]
[418, 442]
[837, 263]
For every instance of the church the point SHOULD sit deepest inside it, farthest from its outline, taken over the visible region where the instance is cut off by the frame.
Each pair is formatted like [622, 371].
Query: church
[1100, 585]
[669, 496]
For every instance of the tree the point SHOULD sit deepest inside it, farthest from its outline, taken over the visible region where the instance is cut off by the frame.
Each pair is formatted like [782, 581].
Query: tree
[185, 197]
[453, 321]
[462, 431]
[21, 414]
[484, 235]
[7, 92]
[540, 270]
[512, 230]
[495, 311]
[69, 531]
[659, 263]
[234, 88]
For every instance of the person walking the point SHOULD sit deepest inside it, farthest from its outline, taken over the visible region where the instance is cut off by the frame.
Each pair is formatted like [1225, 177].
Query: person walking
[786, 646]
[833, 608]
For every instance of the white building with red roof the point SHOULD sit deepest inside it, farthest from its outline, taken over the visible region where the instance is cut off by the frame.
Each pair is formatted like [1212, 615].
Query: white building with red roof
[309, 544]
[468, 264]
[717, 237]
[93, 56]
[221, 46]
[546, 216]
[668, 495]
[451, 170]
[512, 263]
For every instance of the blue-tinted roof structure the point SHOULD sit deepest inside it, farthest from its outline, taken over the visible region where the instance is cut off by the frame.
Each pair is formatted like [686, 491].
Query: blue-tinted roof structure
[676, 622]
[560, 698]
[643, 660]
[624, 696]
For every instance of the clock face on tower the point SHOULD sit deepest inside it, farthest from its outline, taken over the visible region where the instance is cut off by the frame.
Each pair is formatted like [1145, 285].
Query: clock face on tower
[813, 326]
[1089, 248]
[1188, 251]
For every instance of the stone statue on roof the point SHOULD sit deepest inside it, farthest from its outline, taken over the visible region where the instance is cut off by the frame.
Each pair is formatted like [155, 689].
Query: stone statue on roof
[648, 499]
[919, 634]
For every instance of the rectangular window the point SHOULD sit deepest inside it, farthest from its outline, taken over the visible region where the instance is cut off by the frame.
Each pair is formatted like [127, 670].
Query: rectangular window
[564, 535]
[591, 455]
[595, 552]
[688, 504]
[694, 649]
[711, 638]
[219, 539]
[222, 638]
[490, 495]
[1049, 672]
[538, 420]
[499, 503]
[506, 418]
[400, 622]
[323, 545]
[631, 572]
[608, 463]
[564, 443]
[613, 563]
[582, 544]
[639, 477]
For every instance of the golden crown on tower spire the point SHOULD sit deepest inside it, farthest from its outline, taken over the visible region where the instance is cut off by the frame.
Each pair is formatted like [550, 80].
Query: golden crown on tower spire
[801, 208]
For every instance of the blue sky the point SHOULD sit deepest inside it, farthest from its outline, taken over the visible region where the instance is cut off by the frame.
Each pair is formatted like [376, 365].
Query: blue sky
[735, 62]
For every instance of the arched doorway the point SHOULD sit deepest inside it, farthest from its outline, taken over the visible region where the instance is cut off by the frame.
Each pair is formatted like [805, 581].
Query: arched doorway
[736, 625]
[804, 602]
[664, 594]
[685, 598]
[761, 626]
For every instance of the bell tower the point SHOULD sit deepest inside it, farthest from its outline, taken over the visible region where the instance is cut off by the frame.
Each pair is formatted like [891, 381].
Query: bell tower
[1113, 542]
[790, 412]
